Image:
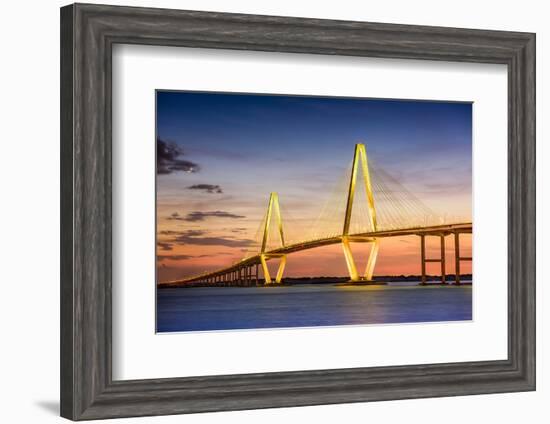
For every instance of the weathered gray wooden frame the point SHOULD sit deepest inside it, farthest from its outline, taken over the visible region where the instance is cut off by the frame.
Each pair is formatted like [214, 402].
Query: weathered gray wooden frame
[88, 33]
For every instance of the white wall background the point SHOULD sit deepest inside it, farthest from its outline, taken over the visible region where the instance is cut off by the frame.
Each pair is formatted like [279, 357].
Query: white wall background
[29, 212]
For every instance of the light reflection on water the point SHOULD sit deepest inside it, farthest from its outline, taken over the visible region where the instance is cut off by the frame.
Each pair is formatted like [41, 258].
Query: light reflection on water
[308, 305]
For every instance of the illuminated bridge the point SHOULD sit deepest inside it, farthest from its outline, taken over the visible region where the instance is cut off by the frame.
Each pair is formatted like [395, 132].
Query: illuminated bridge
[384, 208]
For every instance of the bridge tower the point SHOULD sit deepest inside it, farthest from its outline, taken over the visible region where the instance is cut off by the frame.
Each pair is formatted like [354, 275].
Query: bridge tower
[360, 161]
[273, 209]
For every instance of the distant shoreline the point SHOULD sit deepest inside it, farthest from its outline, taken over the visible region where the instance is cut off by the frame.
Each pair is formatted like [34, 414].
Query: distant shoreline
[289, 281]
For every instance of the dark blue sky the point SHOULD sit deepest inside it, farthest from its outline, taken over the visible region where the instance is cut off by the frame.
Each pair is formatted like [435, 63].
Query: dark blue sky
[265, 123]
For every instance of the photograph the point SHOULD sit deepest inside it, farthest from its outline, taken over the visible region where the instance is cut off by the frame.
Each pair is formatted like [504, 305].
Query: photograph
[284, 211]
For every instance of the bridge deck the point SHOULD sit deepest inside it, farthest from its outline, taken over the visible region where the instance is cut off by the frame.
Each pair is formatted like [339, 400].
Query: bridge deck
[363, 237]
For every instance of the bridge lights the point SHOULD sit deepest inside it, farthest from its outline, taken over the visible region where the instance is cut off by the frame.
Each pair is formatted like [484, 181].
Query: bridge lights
[273, 208]
[359, 160]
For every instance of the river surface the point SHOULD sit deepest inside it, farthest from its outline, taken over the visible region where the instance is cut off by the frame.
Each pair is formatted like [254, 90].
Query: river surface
[308, 305]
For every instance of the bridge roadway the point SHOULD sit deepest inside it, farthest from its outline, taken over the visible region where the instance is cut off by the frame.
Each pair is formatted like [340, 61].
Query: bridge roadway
[241, 273]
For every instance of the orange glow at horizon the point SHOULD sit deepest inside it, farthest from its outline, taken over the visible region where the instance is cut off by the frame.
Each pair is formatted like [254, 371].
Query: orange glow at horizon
[397, 256]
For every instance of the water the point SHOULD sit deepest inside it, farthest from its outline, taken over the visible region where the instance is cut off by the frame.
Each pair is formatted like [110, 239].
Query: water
[308, 305]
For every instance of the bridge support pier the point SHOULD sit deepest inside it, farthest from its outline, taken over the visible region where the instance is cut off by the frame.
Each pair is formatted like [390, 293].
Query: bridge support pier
[264, 258]
[443, 276]
[369, 270]
[352, 269]
[458, 258]
[350, 262]
[424, 260]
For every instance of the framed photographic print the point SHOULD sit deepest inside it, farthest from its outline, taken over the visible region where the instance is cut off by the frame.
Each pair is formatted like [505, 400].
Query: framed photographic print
[263, 211]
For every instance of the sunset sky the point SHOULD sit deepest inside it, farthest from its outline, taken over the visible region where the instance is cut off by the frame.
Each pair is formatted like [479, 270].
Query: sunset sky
[220, 155]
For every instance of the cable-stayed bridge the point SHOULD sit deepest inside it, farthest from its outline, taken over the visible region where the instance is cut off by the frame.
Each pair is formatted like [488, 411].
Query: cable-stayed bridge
[365, 206]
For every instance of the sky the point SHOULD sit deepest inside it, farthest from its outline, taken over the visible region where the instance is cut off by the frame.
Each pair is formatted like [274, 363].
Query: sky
[219, 155]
